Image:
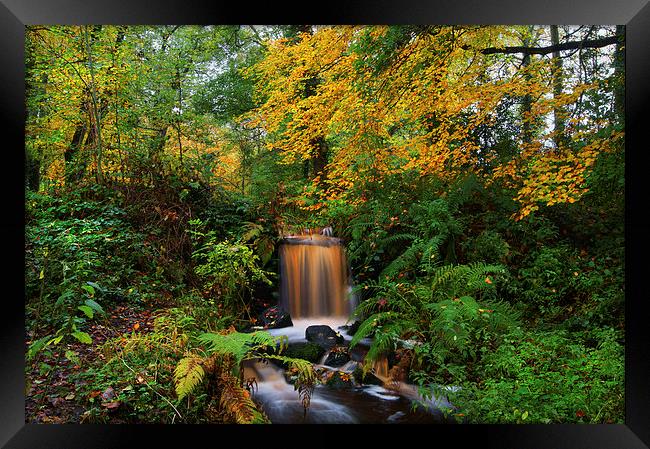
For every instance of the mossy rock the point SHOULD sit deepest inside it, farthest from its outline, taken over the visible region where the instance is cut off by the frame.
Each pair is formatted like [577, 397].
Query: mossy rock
[305, 350]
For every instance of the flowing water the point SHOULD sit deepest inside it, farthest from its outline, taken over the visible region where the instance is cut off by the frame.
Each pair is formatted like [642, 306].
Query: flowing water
[314, 279]
[315, 288]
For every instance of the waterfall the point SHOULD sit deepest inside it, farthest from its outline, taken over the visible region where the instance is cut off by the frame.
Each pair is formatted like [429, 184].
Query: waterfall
[314, 280]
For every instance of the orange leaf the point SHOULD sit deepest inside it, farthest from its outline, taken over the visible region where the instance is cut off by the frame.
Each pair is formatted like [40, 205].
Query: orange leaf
[488, 281]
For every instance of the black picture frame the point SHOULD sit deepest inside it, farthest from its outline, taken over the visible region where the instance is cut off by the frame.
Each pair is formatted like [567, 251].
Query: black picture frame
[15, 14]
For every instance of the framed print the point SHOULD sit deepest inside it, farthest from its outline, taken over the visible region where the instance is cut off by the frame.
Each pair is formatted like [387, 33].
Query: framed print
[420, 216]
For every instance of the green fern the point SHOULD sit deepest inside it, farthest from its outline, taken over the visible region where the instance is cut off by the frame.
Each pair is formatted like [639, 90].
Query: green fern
[238, 345]
[369, 326]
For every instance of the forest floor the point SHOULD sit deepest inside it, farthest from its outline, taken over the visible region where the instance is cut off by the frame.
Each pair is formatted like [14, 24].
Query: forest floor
[52, 381]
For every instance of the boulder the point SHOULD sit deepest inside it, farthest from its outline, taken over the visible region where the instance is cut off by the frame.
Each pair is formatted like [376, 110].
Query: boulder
[274, 318]
[323, 336]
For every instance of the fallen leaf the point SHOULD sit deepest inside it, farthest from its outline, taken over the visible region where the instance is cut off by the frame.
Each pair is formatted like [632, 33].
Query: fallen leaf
[108, 394]
[70, 397]
[111, 405]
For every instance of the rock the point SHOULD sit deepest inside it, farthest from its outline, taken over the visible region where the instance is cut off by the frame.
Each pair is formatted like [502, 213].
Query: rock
[323, 336]
[274, 318]
[304, 350]
[337, 358]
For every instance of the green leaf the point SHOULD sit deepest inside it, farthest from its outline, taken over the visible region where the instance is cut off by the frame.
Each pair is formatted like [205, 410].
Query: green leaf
[524, 415]
[82, 337]
[87, 310]
[55, 340]
[89, 289]
[93, 305]
[36, 346]
[95, 286]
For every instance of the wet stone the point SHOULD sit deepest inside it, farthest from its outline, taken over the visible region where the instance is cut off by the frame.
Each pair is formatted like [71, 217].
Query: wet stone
[274, 318]
[337, 358]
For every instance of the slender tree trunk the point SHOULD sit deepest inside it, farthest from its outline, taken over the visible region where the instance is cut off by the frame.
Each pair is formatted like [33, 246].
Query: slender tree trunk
[95, 109]
[319, 160]
[73, 172]
[619, 75]
[526, 107]
[527, 101]
[558, 113]
[32, 157]
[178, 123]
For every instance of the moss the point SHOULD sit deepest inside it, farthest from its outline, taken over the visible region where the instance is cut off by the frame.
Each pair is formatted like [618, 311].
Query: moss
[306, 351]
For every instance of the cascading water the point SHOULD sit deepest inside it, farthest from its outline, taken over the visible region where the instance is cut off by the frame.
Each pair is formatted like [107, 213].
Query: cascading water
[314, 279]
[315, 289]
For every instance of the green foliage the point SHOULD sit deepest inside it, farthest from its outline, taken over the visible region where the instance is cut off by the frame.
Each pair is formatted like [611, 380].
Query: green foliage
[225, 353]
[441, 318]
[553, 377]
[238, 345]
[488, 247]
[227, 269]
[71, 244]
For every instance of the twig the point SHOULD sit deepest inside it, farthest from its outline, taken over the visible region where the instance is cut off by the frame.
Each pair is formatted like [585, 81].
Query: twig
[152, 389]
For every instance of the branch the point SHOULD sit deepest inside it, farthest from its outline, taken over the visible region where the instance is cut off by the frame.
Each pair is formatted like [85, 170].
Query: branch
[593, 43]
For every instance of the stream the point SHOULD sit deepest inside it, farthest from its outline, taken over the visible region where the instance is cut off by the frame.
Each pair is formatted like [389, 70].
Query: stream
[315, 289]
[365, 404]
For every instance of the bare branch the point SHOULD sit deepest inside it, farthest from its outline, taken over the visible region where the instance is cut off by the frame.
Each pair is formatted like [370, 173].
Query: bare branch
[593, 43]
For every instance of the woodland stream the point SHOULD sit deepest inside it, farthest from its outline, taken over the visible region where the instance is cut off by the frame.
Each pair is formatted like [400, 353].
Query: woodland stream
[316, 291]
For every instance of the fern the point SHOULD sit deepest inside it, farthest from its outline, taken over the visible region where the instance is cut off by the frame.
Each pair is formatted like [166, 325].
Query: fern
[188, 375]
[251, 231]
[236, 401]
[368, 327]
[397, 238]
[458, 280]
[405, 260]
[238, 345]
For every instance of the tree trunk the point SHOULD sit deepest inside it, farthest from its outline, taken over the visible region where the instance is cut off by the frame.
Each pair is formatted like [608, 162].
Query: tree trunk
[558, 113]
[319, 159]
[526, 107]
[73, 172]
[95, 109]
[32, 158]
[619, 75]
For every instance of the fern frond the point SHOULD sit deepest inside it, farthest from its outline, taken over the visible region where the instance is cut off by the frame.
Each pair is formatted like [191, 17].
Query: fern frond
[188, 375]
[397, 238]
[236, 401]
[404, 261]
[251, 231]
[238, 345]
[306, 381]
[368, 326]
